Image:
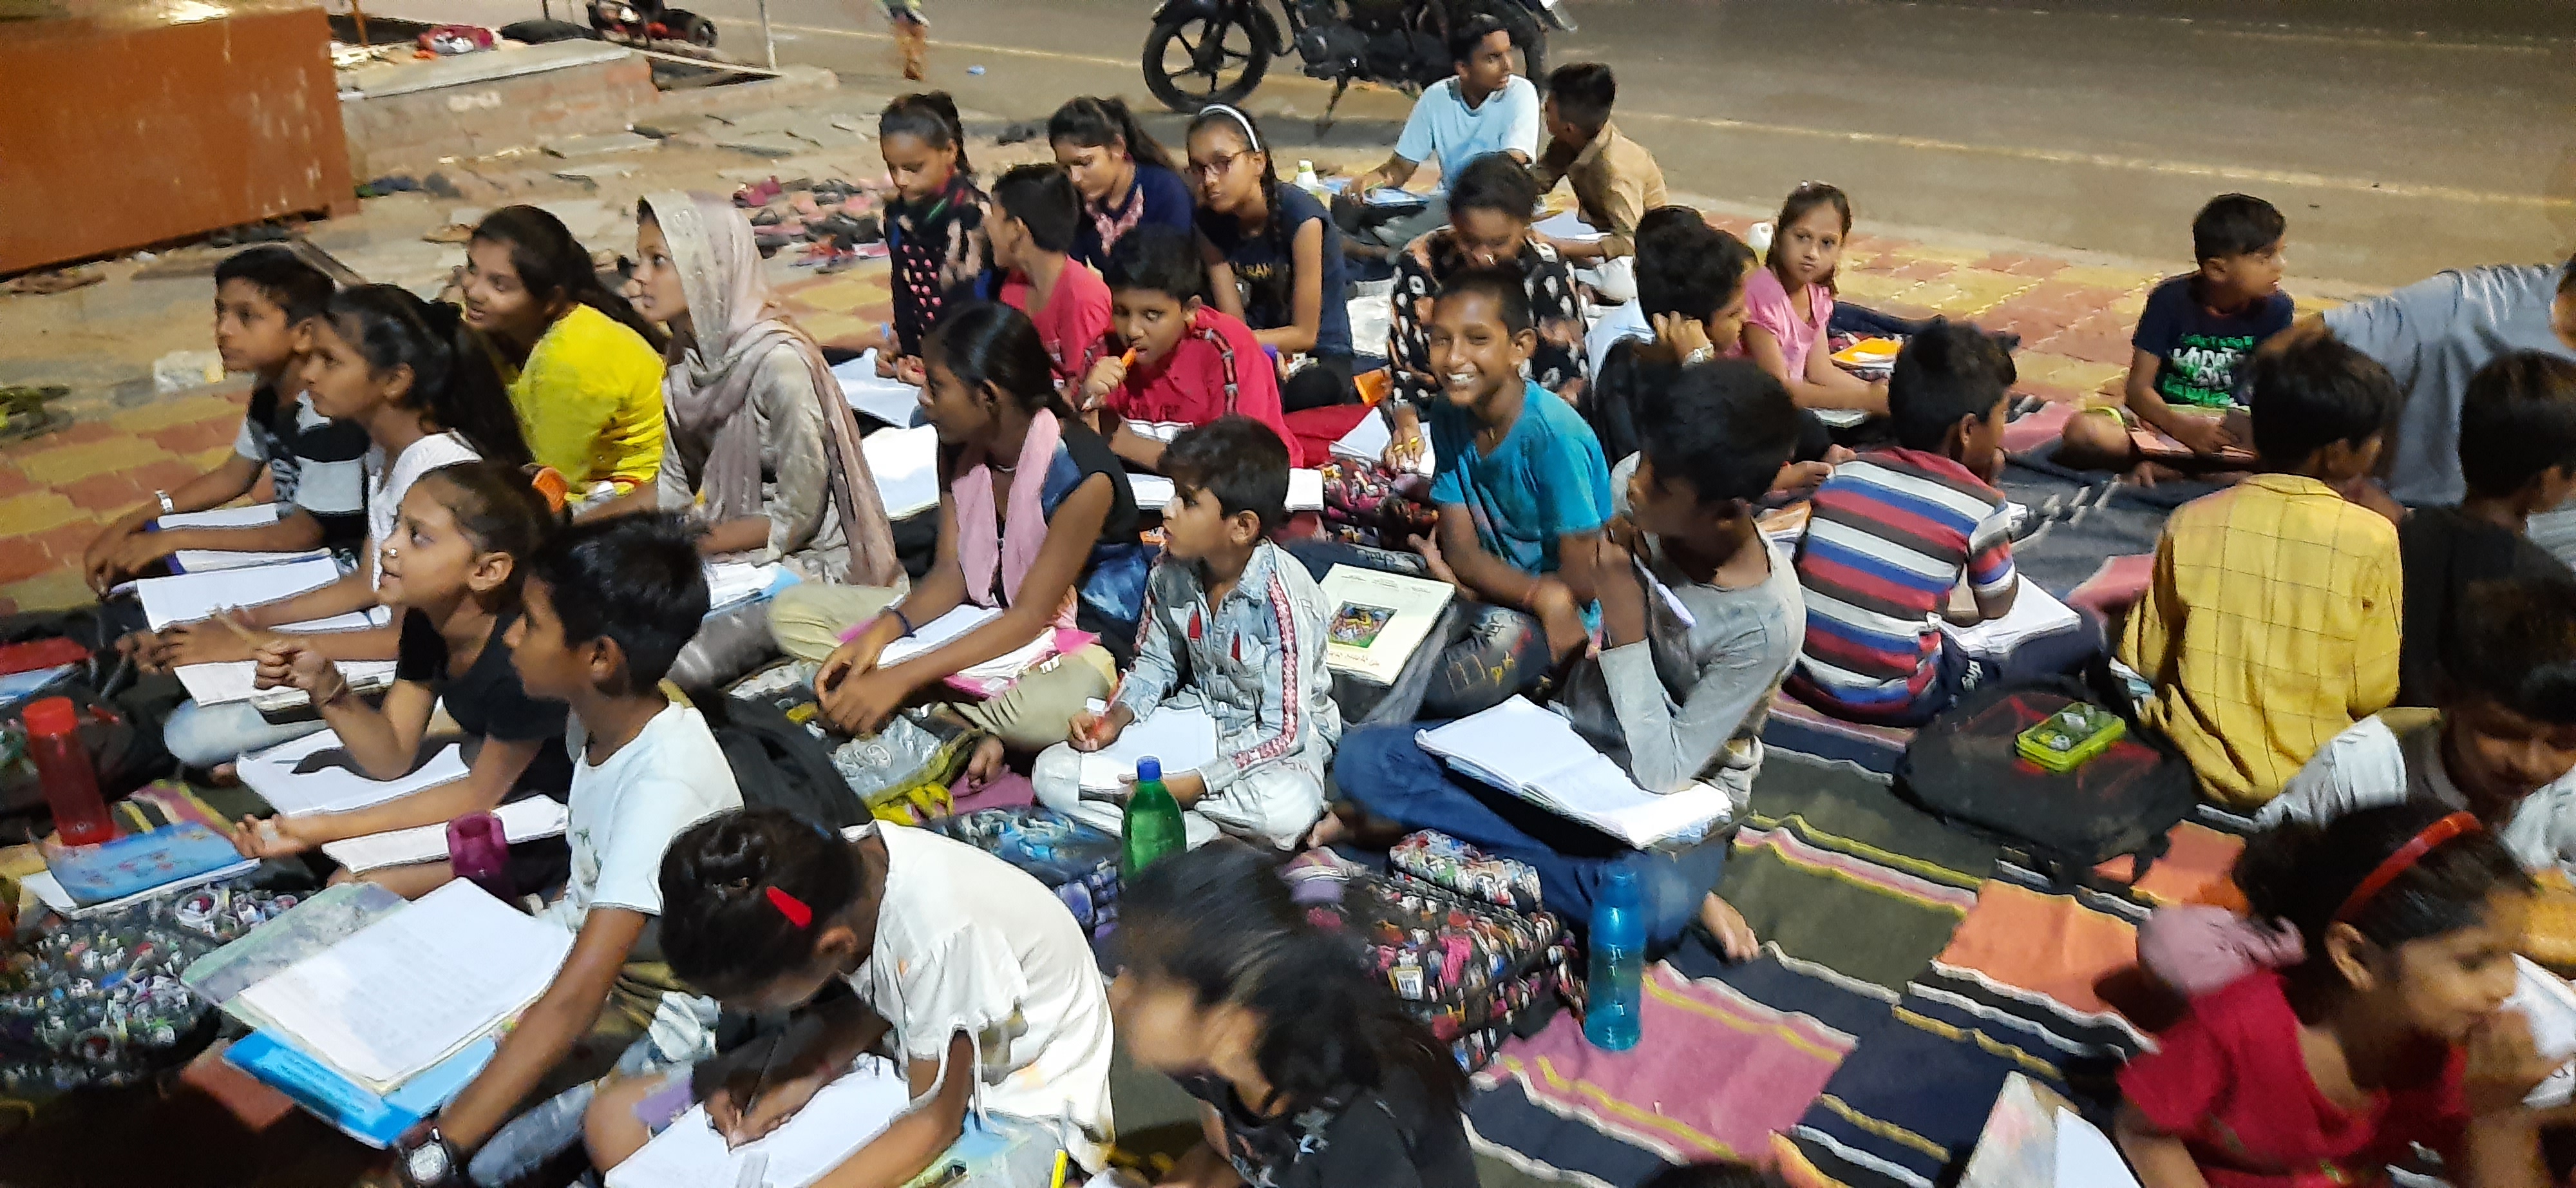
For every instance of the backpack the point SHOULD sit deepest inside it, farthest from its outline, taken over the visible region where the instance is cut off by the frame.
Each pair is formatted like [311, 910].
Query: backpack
[779, 764]
[1963, 768]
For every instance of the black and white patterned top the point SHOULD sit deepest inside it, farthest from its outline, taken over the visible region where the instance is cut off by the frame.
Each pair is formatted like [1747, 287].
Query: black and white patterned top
[1555, 305]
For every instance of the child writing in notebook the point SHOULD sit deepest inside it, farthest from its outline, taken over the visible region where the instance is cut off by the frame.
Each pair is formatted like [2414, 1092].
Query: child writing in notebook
[1789, 304]
[263, 298]
[393, 365]
[1308, 1071]
[452, 570]
[584, 369]
[1232, 626]
[1035, 522]
[967, 972]
[1030, 222]
[1172, 360]
[607, 607]
[2387, 1035]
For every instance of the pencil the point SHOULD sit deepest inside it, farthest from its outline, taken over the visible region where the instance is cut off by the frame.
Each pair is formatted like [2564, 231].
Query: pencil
[1060, 1162]
[761, 1081]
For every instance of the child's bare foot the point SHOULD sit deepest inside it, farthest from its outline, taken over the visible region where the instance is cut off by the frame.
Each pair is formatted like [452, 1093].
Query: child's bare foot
[1726, 925]
[1327, 832]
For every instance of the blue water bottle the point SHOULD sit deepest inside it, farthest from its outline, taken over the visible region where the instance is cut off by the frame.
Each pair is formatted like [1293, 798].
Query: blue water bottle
[1618, 969]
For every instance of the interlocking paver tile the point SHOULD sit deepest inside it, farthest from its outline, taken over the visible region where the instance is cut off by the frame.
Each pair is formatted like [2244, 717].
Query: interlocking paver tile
[65, 464]
[2073, 375]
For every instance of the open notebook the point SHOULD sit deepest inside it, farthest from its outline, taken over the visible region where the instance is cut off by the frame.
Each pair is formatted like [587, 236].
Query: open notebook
[905, 463]
[521, 821]
[314, 774]
[2034, 612]
[1536, 755]
[193, 596]
[414, 988]
[1180, 737]
[840, 1119]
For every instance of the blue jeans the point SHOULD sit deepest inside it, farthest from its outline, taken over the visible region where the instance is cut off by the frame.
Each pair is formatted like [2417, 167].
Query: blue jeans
[1381, 769]
[207, 735]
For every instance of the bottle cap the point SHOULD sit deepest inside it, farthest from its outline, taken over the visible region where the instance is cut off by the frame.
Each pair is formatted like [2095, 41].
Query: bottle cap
[1148, 768]
[52, 716]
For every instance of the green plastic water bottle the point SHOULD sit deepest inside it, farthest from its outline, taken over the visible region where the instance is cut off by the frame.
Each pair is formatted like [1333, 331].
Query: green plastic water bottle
[1152, 826]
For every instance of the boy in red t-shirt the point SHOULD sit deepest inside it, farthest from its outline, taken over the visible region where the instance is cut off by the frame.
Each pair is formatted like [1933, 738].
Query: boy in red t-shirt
[1034, 215]
[1172, 361]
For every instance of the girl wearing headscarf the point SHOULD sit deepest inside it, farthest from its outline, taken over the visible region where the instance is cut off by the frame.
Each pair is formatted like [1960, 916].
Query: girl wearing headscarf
[761, 441]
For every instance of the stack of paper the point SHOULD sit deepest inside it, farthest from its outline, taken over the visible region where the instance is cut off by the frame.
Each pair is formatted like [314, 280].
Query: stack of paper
[2548, 1004]
[1536, 755]
[905, 463]
[521, 821]
[256, 515]
[1178, 737]
[189, 597]
[1153, 492]
[2033, 613]
[1378, 619]
[939, 632]
[314, 774]
[889, 400]
[203, 560]
[413, 989]
[841, 1118]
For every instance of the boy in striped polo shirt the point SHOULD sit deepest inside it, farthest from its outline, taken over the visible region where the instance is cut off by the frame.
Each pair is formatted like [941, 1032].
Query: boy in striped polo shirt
[1895, 531]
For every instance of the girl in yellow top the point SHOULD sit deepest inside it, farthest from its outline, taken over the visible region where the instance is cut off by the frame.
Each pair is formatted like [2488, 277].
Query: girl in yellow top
[584, 370]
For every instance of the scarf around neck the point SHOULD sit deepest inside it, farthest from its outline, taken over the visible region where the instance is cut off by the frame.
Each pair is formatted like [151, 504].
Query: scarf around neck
[990, 539]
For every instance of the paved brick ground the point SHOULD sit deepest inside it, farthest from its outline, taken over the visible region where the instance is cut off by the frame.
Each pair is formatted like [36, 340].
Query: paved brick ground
[56, 490]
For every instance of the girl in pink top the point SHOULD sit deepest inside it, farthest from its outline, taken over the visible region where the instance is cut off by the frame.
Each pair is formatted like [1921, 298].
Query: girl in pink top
[1788, 304]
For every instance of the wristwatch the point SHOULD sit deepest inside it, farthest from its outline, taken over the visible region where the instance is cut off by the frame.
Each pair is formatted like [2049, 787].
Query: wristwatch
[435, 1161]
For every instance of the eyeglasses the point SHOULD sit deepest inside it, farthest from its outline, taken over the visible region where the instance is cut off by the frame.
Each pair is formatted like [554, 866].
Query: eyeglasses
[1218, 167]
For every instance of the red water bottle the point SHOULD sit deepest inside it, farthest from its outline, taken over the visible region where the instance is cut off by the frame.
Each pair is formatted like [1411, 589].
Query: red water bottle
[479, 851]
[63, 767]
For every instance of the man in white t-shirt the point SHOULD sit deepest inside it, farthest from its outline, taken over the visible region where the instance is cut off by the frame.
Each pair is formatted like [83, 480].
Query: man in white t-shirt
[1485, 109]
[2502, 746]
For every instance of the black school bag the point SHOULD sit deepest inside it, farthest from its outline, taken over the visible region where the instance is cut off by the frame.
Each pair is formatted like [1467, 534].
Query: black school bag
[1963, 768]
[780, 764]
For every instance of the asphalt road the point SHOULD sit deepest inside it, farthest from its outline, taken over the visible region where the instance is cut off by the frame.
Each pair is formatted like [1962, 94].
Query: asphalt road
[2399, 137]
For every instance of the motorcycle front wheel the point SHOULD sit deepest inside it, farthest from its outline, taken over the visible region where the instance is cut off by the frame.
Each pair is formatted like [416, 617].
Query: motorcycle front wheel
[1198, 60]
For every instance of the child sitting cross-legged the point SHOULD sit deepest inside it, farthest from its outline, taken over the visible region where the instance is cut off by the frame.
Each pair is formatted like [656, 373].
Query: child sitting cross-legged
[1184, 362]
[1688, 692]
[452, 570]
[1308, 1071]
[2518, 458]
[2387, 1035]
[1232, 626]
[2503, 745]
[1522, 493]
[1897, 531]
[2194, 340]
[608, 606]
[963, 969]
[2271, 623]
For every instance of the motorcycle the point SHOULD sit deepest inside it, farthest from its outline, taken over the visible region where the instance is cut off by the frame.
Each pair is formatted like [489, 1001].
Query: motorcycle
[1216, 51]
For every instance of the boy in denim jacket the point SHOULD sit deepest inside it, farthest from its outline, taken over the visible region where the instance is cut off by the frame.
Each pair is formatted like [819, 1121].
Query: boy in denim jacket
[1233, 626]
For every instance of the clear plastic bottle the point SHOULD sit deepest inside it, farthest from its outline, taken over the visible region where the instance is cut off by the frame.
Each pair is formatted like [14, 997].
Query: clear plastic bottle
[1306, 179]
[63, 768]
[1151, 827]
[1618, 963]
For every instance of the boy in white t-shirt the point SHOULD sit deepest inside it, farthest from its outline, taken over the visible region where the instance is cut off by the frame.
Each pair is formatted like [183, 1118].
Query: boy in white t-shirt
[1485, 109]
[609, 605]
[2503, 745]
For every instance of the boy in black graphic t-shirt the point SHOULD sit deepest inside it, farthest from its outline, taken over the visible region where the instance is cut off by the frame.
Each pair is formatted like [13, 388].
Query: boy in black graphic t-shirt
[2193, 338]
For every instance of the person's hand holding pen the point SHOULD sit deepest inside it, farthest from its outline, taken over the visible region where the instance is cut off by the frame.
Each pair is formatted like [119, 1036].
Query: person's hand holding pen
[748, 1112]
[1107, 376]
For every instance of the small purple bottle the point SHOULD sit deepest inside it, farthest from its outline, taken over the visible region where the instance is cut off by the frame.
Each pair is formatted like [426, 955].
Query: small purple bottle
[477, 849]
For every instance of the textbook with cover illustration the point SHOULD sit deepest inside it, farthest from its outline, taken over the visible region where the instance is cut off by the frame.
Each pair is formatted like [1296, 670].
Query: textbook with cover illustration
[1378, 619]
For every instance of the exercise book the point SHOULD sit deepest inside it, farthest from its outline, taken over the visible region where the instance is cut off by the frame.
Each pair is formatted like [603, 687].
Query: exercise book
[1180, 737]
[1535, 755]
[189, 597]
[521, 821]
[414, 988]
[315, 774]
[841, 1118]
[1378, 620]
